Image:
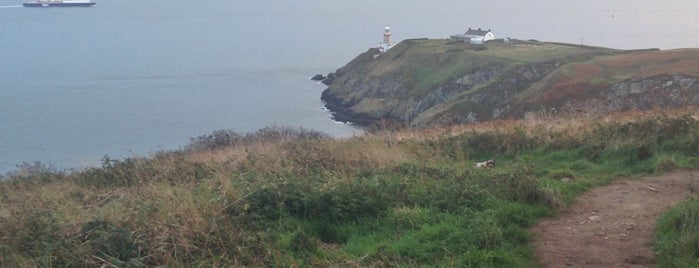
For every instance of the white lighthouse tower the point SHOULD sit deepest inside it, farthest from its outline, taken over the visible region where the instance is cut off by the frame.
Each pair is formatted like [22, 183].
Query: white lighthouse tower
[386, 45]
[387, 35]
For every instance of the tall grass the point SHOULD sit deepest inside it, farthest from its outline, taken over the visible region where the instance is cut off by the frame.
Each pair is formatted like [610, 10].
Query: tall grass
[285, 197]
[677, 236]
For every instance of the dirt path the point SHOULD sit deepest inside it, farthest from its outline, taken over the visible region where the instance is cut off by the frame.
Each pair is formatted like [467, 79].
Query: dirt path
[612, 225]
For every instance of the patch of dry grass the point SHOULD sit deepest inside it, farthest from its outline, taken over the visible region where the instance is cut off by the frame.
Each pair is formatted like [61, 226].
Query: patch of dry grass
[573, 123]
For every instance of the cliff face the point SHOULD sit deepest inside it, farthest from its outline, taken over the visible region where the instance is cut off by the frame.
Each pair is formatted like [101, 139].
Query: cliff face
[633, 80]
[430, 82]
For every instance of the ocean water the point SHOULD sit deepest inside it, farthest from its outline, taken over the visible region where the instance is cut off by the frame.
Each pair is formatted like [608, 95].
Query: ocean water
[132, 77]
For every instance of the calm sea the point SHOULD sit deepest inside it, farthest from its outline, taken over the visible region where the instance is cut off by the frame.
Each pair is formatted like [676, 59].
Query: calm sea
[131, 77]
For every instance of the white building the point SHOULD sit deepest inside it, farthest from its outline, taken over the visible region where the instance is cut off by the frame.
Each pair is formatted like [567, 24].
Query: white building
[475, 36]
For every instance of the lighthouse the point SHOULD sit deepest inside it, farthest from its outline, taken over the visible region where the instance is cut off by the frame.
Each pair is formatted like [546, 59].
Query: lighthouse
[386, 44]
[387, 35]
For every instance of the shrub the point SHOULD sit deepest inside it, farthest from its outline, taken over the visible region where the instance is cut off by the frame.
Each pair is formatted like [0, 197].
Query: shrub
[224, 138]
[38, 236]
[302, 243]
[408, 217]
[509, 142]
[110, 242]
[36, 170]
[665, 164]
[528, 190]
[134, 171]
[346, 201]
[112, 173]
[40, 232]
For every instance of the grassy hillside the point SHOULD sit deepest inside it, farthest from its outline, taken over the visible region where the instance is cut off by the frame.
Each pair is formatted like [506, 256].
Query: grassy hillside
[424, 83]
[288, 197]
[585, 80]
[426, 64]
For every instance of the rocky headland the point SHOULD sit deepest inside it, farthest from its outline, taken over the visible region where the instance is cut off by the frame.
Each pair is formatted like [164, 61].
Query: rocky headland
[423, 83]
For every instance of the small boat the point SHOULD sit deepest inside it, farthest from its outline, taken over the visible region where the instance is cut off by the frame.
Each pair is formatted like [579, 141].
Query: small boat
[59, 3]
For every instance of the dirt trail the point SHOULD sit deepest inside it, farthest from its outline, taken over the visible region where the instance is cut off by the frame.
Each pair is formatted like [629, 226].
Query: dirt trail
[612, 225]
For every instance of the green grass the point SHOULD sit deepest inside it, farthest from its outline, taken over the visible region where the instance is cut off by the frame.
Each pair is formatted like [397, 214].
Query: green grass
[426, 73]
[677, 236]
[284, 197]
[425, 64]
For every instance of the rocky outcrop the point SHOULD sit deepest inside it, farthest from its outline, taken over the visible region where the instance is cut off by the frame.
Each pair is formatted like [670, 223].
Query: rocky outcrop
[475, 96]
[656, 92]
[662, 91]
[318, 77]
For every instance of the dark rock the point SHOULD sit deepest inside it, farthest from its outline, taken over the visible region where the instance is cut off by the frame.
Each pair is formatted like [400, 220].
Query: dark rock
[318, 77]
[328, 80]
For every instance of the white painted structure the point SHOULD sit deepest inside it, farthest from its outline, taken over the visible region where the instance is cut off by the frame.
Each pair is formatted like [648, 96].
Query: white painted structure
[485, 35]
[386, 44]
[475, 36]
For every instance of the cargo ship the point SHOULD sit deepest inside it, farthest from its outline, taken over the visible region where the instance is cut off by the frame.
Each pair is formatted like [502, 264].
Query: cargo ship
[59, 3]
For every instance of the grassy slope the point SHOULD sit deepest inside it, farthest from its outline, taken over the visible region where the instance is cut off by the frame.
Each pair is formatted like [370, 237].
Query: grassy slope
[582, 78]
[282, 197]
[414, 68]
[677, 236]
[425, 64]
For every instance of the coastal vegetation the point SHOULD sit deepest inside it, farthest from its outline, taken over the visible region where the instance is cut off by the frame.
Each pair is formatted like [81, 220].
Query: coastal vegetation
[677, 236]
[287, 197]
[423, 83]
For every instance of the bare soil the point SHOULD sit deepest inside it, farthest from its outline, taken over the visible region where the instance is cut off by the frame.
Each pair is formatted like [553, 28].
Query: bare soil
[612, 225]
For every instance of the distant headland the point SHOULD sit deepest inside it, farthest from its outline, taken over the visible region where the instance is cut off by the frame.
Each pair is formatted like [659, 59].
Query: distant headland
[474, 77]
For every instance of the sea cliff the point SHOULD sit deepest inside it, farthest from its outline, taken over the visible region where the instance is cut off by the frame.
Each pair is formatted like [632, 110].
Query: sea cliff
[424, 83]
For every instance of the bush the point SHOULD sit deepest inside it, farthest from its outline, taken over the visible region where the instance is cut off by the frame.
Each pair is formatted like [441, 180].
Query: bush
[111, 242]
[135, 171]
[38, 236]
[510, 142]
[347, 201]
[665, 164]
[528, 190]
[303, 244]
[224, 138]
[36, 170]
[40, 233]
